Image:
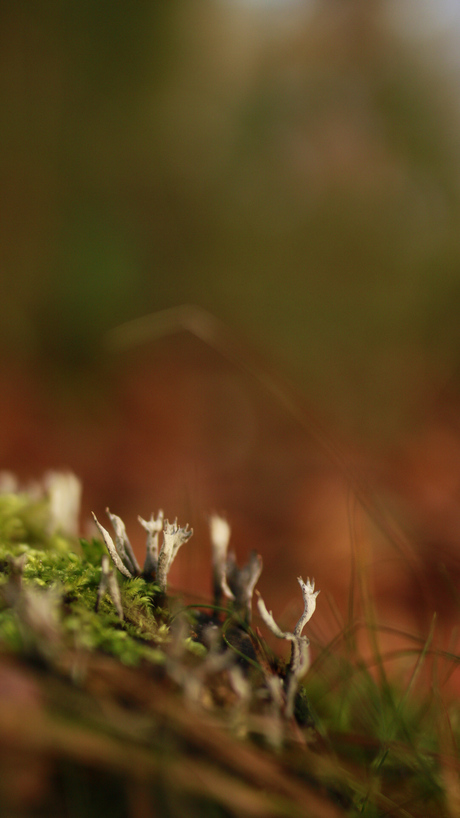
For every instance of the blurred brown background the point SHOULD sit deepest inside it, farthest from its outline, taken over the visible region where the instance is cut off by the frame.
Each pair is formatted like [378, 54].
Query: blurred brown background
[292, 168]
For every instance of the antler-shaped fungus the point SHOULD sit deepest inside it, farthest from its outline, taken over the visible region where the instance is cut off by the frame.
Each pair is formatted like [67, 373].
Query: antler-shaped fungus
[236, 583]
[300, 655]
[157, 564]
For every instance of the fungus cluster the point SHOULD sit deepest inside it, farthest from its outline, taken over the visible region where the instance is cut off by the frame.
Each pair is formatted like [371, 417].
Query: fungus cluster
[235, 583]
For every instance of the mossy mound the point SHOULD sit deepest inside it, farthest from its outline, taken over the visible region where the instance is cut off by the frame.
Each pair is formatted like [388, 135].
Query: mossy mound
[51, 605]
[174, 710]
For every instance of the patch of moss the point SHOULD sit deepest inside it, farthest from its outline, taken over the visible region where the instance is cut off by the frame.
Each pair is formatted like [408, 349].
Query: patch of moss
[73, 570]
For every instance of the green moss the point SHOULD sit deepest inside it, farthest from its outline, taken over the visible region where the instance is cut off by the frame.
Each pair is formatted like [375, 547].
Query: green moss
[73, 569]
[103, 631]
[10, 635]
[92, 551]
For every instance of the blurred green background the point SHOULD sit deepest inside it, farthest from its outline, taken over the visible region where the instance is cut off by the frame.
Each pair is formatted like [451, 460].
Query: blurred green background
[292, 167]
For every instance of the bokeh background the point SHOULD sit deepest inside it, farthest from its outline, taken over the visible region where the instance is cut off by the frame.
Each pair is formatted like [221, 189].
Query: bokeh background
[292, 169]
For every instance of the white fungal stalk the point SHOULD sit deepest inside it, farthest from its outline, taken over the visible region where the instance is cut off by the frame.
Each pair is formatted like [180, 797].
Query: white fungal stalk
[173, 538]
[242, 581]
[236, 583]
[220, 537]
[300, 654]
[109, 584]
[153, 528]
[64, 492]
[110, 545]
[156, 562]
[123, 545]
[267, 617]
[309, 598]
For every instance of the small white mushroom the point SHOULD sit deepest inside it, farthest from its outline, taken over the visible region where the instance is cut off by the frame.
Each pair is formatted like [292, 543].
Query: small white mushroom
[123, 545]
[110, 545]
[309, 597]
[173, 538]
[122, 553]
[220, 537]
[153, 528]
[64, 493]
[300, 655]
[242, 581]
[109, 583]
